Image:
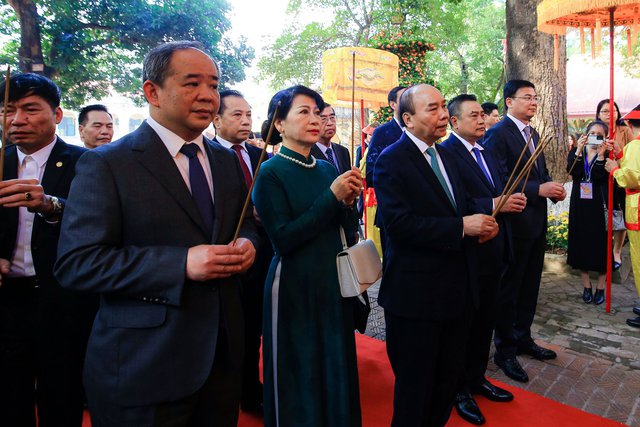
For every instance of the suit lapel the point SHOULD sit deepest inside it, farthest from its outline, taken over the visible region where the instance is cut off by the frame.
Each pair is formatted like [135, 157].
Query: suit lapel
[217, 176]
[56, 166]
[425, 170]
[317, 153]
[150, 151]
[464, 154]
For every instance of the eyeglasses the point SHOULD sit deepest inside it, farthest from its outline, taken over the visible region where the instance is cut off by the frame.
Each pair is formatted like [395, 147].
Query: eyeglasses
[328, 118]
[528, 98]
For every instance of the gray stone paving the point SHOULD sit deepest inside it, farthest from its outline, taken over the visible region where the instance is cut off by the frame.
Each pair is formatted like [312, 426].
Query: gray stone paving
[598, 364]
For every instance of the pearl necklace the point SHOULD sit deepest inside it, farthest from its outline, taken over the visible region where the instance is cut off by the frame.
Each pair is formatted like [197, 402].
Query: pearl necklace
[298, 162]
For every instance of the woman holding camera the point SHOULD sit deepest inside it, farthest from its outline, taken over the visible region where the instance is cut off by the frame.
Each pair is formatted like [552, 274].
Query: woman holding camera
[587, 242]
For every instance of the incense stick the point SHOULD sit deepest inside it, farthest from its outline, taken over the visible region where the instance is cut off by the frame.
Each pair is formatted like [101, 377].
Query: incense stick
[4, 121]
[255, 175]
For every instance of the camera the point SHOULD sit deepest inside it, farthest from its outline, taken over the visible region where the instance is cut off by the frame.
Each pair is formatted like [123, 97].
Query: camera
[595, 139]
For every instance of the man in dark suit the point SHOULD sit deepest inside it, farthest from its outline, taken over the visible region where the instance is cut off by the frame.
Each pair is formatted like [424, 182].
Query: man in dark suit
[324, 149]
[519, 292]
[428, 288]
[233, 126]
[386, 134]
[43, 328]
[481, 177]
[149, 226]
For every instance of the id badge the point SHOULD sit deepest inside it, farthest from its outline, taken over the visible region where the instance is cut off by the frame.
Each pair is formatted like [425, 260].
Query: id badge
[586, 190]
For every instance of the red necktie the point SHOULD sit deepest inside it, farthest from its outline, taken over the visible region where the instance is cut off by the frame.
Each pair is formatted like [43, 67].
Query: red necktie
[245, 170]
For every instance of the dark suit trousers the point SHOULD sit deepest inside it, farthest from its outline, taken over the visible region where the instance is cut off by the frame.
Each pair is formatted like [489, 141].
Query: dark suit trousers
[252, 297]
[481, 331]
[215, 404]
[518, 296]
[427, 359]
[42, 348]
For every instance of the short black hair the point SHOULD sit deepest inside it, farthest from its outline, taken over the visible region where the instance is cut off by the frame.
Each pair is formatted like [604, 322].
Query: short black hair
[84, 112]
[604, 102]
[156, 63]
[512, 86]
[406, 103]
[488, 107]
[634, 122]
[454, 105]
[225, 94]
[393, 93]
[283, 101]
[22, 85]
[598, 123]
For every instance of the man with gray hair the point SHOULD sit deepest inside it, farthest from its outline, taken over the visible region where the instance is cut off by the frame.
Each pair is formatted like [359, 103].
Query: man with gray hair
[149, 226]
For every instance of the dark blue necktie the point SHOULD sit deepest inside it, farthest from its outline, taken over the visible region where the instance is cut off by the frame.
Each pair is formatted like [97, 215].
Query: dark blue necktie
[200, 190]
[332, 160]
[476, 151]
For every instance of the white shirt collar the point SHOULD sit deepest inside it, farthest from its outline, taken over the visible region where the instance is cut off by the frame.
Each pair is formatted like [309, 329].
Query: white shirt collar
[422, 146]
[228, 144]
[323, 147]
[172, 141]
[466, 143]
[518, 123]
[41, 156]
[398, 121]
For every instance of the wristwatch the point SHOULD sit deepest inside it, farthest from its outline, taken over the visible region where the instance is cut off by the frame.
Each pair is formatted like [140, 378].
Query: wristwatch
[57, 208]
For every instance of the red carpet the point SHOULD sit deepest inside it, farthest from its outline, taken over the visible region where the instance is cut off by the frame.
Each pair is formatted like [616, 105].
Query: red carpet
[376, 394]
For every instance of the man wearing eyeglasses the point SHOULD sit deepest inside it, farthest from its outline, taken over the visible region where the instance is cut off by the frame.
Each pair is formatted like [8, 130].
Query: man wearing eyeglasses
[518, 295]
[324, 149]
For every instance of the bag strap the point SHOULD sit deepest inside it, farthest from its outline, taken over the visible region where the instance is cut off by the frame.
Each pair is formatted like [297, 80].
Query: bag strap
[343, 238]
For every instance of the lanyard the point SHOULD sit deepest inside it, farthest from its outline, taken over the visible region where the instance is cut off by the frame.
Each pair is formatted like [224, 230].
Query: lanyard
[588, 165]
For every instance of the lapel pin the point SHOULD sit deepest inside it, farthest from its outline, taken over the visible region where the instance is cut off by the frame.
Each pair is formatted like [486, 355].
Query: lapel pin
[59, 164]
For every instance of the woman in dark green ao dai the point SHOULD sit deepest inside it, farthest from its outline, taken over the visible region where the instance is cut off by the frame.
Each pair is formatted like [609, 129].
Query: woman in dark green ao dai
[310, 371]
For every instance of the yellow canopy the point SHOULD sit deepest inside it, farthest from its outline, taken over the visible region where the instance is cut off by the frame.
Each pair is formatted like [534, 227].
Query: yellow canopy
[554, 16]
[376, 74]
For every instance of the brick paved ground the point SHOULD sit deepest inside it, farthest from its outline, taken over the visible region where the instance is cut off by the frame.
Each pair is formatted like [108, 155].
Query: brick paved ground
[598, 364]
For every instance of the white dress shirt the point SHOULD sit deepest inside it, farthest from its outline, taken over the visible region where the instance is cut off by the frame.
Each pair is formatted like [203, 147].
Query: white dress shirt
[422, 146]
[521, 127]
[173, 143]
[29, 167]
[244, 151]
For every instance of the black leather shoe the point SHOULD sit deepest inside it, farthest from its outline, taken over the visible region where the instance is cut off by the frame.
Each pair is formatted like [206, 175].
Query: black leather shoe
[599, 297]
[636, 310]
[492, 392]
[537, 352]
[468, 410]
[634, 322]
[511, 367]
[587, 295]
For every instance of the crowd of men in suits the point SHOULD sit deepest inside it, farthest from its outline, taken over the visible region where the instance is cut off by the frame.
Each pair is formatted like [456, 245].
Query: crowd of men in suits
[119, 263]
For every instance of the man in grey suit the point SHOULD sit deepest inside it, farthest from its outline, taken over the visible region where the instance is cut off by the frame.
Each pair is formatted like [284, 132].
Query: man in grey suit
[149, 225]
[324, 149]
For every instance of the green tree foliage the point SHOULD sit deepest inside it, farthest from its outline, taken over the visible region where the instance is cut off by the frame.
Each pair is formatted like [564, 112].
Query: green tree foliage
[92, 46]
[467, 36]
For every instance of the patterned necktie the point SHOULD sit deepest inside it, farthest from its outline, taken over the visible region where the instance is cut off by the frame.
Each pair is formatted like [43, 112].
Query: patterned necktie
[436, 169]
[245, 170]
[476, 152]
[332, 160]
[532, 147]
[200, 190]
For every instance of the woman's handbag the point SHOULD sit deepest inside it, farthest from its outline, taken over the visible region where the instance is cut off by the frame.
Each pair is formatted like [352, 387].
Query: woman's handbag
[359, 267]
[617, 219]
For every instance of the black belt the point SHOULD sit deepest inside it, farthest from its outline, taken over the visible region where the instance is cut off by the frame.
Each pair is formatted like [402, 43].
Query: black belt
[20, 282]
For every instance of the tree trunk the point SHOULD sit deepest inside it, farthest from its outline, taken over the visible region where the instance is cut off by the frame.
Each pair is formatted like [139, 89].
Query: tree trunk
[30, 54]
[530, 57]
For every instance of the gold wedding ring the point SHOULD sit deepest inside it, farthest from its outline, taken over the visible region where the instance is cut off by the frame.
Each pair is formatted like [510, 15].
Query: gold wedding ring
[27, 196]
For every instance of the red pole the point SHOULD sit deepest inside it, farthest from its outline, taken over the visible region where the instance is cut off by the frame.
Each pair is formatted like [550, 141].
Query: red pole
[364, 181]
[612, 135]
